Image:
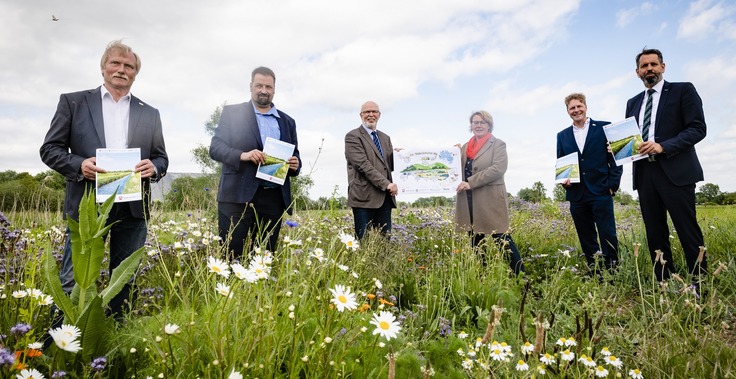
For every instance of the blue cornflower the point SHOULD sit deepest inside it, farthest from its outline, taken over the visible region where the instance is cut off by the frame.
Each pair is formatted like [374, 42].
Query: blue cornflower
[58, 374]
[292, 223]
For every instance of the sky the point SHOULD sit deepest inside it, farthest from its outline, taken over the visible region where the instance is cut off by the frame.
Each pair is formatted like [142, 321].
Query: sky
[428, 64]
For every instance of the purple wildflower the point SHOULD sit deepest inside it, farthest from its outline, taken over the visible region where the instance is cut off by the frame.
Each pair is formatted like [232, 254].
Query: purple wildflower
[98, 364]
[20, 329]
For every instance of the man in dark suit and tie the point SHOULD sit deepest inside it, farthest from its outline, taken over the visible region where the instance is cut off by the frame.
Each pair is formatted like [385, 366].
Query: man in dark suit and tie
[591, 200]
[249, 207]
[370, 159]
[671, 119]
[106, 117]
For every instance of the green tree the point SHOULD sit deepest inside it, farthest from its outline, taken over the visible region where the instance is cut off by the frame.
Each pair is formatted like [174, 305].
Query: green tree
[433, 201]
[624, 198]
[558, 193]
[709, 193]
[536, 194]
[300, 186]
[201, 153]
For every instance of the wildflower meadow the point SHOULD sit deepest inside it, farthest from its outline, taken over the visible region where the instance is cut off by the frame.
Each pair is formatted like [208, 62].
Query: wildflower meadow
[420, 305]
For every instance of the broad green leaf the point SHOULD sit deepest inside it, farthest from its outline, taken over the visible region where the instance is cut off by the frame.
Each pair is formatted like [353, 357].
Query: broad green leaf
[50, 273]
[121, 275]
[92, 323]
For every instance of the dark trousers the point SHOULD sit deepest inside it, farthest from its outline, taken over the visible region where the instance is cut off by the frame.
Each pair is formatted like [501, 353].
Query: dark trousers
[260, 220]
[378, 218]
[127, 235]
[657, 197]
[596, 212]
[506, 243]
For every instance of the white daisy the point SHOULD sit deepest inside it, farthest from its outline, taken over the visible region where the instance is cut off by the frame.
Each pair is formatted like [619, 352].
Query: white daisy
[386, 325]
[343, 298]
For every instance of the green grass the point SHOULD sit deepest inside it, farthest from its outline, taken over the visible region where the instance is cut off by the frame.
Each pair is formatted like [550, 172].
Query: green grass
[428, 277]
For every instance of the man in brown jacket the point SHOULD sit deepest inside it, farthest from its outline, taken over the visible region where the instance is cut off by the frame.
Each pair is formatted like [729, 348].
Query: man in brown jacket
[370, 160]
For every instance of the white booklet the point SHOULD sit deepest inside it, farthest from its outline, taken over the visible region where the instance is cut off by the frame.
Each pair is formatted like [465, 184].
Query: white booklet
[625, 139]
[120, 180]
[276, 167]
[567, 167]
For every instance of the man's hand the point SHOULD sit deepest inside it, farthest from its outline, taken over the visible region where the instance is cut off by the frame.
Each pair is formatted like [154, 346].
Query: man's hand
[254, 156]
[393, 189]
[146, 168]
[89, 168]
[293, 163]
[566, 183]
[651, 148]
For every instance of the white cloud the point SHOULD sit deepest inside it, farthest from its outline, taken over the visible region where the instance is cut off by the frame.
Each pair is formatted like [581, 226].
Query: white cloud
[706, 19]
[625, 17]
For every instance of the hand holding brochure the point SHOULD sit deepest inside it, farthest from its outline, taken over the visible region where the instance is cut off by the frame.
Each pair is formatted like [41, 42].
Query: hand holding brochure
[625, 139]
[276, 167]
[567, 167]
[120, 180]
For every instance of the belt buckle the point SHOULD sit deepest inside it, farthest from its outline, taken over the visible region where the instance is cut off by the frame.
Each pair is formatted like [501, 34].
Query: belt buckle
[652, 158]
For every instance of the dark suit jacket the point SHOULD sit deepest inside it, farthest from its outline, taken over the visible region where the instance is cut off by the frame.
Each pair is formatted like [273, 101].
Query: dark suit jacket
[77, 130]
[679, 125]
[368, 174]
[598, 170]
[238, 132]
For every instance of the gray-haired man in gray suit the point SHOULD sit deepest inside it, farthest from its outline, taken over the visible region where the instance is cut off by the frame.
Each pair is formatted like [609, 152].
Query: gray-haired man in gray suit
[106, 117]
[371, 191]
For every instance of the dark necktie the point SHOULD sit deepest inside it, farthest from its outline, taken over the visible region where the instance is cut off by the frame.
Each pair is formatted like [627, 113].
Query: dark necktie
[647, 115]
[377, 143]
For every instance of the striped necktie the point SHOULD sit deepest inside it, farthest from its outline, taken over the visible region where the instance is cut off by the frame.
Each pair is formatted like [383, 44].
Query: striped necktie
[377, 143]
[647, 115]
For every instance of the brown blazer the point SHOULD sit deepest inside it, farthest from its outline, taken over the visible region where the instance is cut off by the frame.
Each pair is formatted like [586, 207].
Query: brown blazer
[490, 202]
[368, 174]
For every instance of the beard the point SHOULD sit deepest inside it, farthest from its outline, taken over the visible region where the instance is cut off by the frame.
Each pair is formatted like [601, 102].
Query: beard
[263, 100]
[650, 79]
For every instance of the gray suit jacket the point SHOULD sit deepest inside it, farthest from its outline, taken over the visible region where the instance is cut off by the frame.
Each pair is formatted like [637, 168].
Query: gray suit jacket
[490, 199]
[76, 132]
[237, 132]
[368, 174]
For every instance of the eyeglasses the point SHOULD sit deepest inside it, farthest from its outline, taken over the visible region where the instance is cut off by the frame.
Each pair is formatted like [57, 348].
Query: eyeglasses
[370, 112]
[478, 123]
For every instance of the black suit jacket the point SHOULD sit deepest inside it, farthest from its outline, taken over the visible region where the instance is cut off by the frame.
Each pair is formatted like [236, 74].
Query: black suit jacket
[238, 132]
[679, 125]
[598, 169]
[77, 130]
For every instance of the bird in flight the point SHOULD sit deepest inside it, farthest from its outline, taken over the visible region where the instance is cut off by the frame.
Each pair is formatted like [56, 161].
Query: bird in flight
[54, 18]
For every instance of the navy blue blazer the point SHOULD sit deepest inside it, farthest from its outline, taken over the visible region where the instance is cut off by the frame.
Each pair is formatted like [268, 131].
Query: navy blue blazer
[238, 132]
[598, 169]
[679, 125]
[77, 131]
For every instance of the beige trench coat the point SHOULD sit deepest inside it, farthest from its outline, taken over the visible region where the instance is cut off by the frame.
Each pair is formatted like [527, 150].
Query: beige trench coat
[490, 200]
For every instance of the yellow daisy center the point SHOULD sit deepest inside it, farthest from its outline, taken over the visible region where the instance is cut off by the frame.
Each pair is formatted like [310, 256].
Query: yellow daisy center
[384, 325]
[342, 299]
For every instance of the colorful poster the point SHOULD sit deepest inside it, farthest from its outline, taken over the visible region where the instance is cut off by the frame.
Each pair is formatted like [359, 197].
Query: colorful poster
[120, 180]
[428, 171]
[567, 168]
[276, 166]
[624, 139]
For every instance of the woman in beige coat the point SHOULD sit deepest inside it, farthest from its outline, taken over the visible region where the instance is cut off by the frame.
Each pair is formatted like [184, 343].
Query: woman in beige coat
[481, 208]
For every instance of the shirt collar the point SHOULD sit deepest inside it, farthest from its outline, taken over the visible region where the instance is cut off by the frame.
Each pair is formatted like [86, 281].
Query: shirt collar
[273, 112]
[367, 129]
[658, 87]
[585, 125]
[104, 91]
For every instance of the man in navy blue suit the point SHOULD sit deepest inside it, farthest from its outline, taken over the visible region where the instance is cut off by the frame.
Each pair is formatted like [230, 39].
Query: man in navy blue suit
[672, 123]
[591, 200]
[249, 207]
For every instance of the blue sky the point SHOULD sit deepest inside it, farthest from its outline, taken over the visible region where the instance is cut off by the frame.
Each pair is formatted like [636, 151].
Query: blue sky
[428, 64]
